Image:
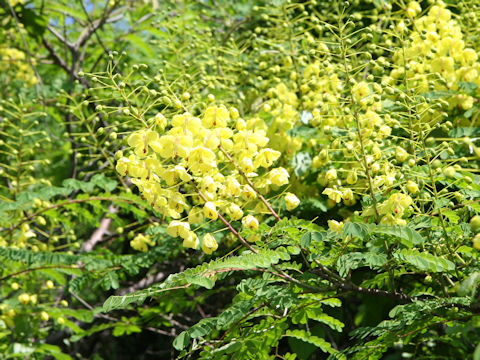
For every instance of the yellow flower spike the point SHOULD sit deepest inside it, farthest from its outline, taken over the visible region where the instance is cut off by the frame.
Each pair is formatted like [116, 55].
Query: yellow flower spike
[232, 186]
[169, 175]
[227, 144]
[211, 141]
[250, 222]
[178, 228]
[210, 210]
[291, 201]
[122, 166]
[413, 8]
[278, 176]
[335, 226]
[191, 241]
[321, 159]
[234, 212]
[468, 57]
[209, 244]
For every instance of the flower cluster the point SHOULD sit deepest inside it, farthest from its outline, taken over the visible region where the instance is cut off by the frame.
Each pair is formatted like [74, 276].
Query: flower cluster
[193, 169]
[15, 62]
[436, 58]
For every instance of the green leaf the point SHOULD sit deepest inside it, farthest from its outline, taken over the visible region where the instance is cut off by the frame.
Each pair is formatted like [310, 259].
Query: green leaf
[301, 163]
[354, 260]
[181, 341]
[410, 236]
[476, 353]
[468, 287]
[103, 182]
[425, 261]
[311, 339]
[138, 42]
[310, 237]
[451, 216]
[356, 230]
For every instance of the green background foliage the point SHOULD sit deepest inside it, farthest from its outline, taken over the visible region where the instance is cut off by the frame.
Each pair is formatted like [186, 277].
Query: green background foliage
[395, 277]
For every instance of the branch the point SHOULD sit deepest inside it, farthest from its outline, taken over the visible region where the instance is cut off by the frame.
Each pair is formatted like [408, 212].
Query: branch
[56, 58]
[97, 235]
[54, 206]
[144, 283]
[60, 37]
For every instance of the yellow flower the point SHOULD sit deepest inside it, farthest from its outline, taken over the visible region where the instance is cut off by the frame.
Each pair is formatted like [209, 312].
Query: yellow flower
[333, 194]
[250, 222]
[476, 241]
[178, 228]
[266, 158]
[352, 177]
[24, 298]
[195, 216]
[335, 226]
[216, 116]
[278, 176]
[360, 91]
[191, 241]
[208, 184]
[248, 193]
[232, 186]
[412, 187]
[44, 316]
[201, 160]
[291, 201]
[413, 8]
[321, 159]
[235, 212]
[141, 242]
[400, 154]
[210, 210]
[330, 175]
[141, 140]
[160, 121]
[396, 204]
[209, 244]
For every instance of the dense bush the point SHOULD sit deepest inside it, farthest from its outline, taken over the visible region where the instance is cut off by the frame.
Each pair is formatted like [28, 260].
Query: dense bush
[228, 180]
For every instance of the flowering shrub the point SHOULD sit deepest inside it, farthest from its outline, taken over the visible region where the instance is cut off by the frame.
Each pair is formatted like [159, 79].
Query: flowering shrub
[283, 179]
